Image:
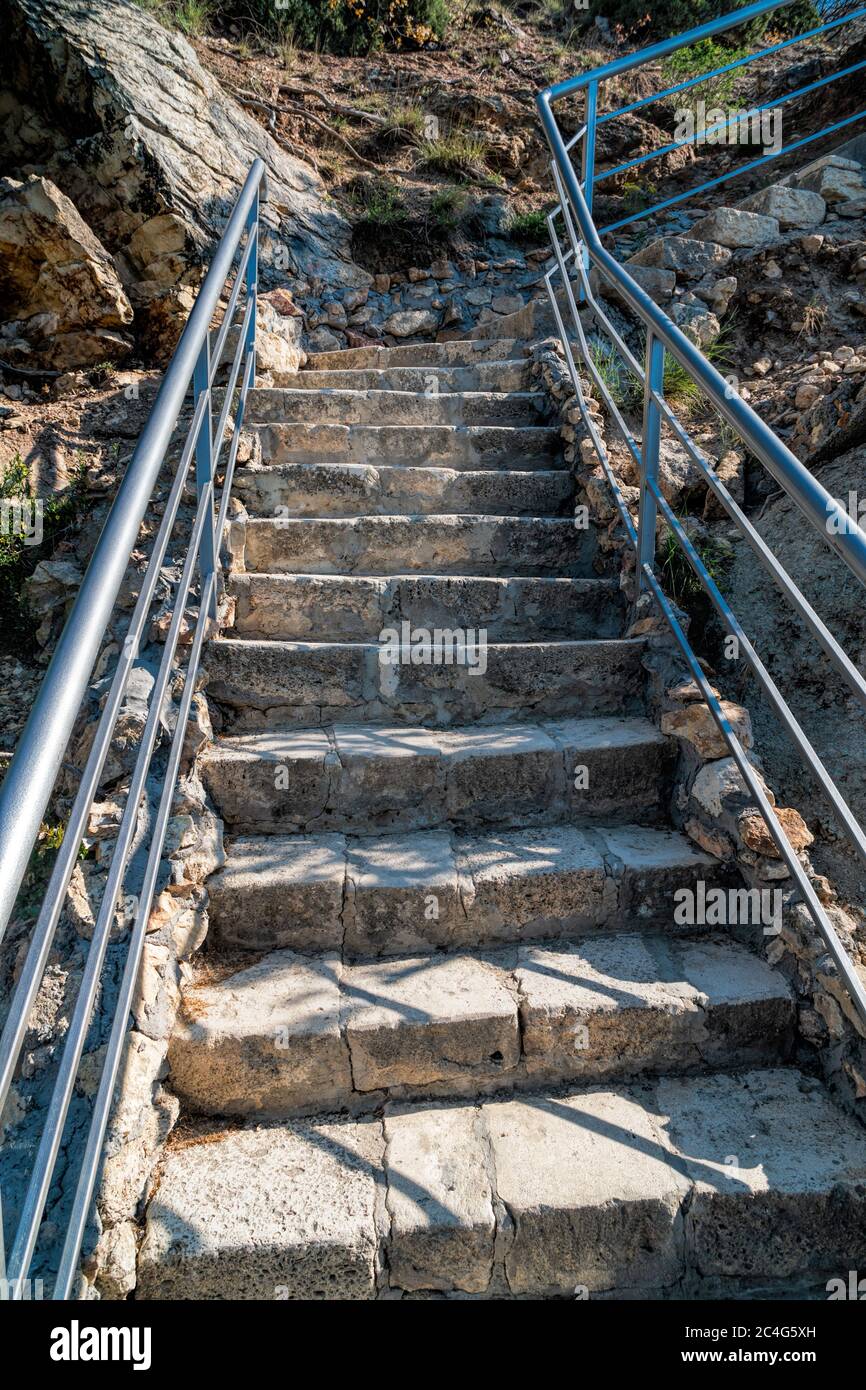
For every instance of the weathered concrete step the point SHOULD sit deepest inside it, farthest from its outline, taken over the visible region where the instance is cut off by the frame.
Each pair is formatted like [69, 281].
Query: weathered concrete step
[459, 353]
[371, 778]
[473, 447]
[428, 379]
[434, 544]
[701, 1186]
[265, 404]
[296, 1034]
[435, 890]
[358, 489]
[265, 684]
[338, 608]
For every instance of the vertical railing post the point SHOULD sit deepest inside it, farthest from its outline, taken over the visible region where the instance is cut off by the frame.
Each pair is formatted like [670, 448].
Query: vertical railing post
[252, 283]
[587, 162]
[651, 442]
[204, 461]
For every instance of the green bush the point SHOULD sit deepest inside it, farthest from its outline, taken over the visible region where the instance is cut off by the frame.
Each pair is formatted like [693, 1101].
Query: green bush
[352, 26]
[642, 23]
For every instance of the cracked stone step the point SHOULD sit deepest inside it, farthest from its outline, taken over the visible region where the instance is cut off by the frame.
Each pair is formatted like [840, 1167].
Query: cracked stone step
[354, 489]
[371, 778]
[298, 1034]
[266, 684]
[352, 608]
[393, 895]
[472, 447]
[426, 378]
[459, 353]
[458, 545]
[266, 404]
[620, 1190]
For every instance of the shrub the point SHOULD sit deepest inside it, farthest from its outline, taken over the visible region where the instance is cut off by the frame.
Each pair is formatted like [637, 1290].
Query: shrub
[530, 227]
[642, 23]
[352, 26]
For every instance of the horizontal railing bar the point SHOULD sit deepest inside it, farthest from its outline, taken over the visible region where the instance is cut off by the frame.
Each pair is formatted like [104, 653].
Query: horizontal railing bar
[52, 1133]
[30, 976]
[727, 124]
[729, 67]
[843, 812]
[32, 773]
[657, 51]
[840, 661]
[118, 1036]
[225, 326]
[840, 956]
[732, 174]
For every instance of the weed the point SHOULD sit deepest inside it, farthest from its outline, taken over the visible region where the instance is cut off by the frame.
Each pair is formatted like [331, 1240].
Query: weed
[457, 153]
[447, 209]
[624, 389]
[380, 203]
[528, 226]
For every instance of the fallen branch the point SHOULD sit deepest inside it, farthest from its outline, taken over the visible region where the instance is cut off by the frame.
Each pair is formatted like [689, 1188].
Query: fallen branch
[332, 105]
[296, 109]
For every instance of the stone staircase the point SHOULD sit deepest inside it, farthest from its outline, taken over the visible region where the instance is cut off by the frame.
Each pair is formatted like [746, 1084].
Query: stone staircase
[447, 1038]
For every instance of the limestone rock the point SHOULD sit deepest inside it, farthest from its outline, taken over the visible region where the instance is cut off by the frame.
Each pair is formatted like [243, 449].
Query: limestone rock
[278, 344]
[687, 257]
[62, 302]
[791, 207]
[835, 178]
[696, 320]
[757, 837]
[696, 725]
[734, 227]
[406, 323]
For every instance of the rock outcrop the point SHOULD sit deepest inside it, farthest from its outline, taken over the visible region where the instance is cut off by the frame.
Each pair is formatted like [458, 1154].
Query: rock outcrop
[61, 300]
[152, 153]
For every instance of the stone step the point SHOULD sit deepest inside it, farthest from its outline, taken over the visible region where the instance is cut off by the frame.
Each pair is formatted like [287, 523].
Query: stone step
[428, 379]
[695, 1186]
[377, 778]
[473, 447]
[359, 489]
[261, 685]
[378, 896]
[265, 404]
[379, 545]
[295, 1034]
[460, 353]
[338, 608]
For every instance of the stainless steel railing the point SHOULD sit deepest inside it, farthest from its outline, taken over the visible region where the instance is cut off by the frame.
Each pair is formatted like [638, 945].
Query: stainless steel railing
[824, 513]
[29, 783]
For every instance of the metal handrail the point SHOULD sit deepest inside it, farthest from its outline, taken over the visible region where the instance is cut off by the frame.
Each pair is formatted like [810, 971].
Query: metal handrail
[824, 513]
[30, 780]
